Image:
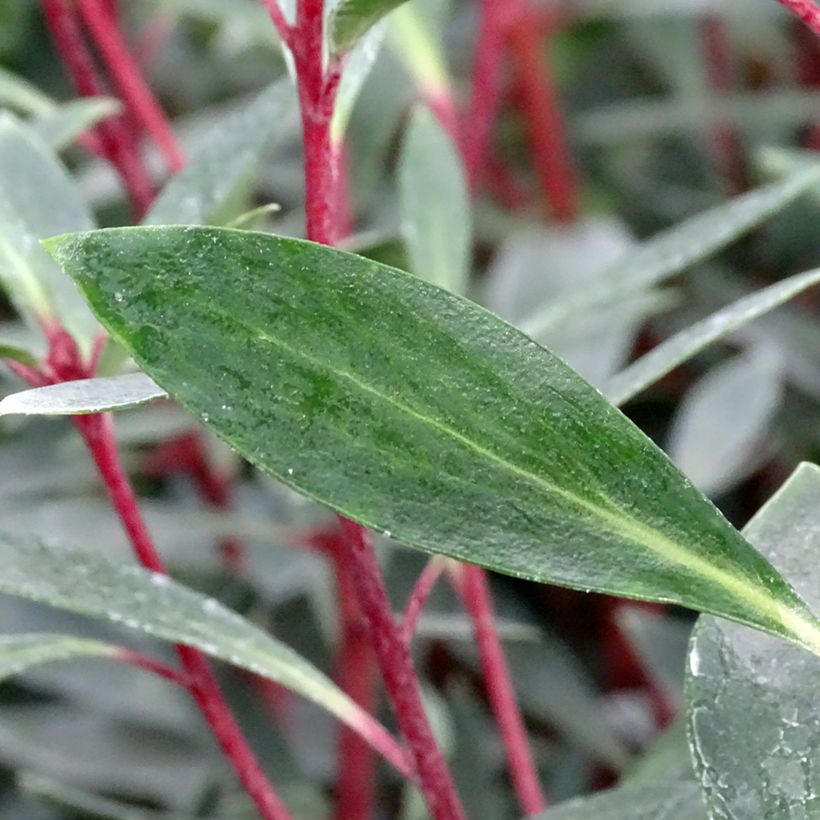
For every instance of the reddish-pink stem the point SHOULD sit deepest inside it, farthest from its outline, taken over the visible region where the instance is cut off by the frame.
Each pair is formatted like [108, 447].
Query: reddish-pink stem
[127, 75]
[399, 675]
[419, 595]
[806, 10]
[475, 592]
[153, 666]
[98, 433]
[488, 66]
[119, 146]
[543, 116]
[317, 91]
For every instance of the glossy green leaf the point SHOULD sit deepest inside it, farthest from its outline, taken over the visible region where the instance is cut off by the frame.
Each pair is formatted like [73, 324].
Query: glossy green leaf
[718, 434]
[199, 193]
[63, 124]
[18, 653]
[412, 410]
[753, 719]
[38, 199]
[84, 396]
[156, 605]
[351, 19]
[435, 204]
[684, 345]
[670, 801]
[675, 249]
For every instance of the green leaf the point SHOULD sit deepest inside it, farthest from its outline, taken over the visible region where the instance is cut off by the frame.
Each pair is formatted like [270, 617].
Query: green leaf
[39, 199]
[671, 801]
[684, 345]
[675, 249]
[352, 18]
[84, 396]
[417, 46]
[61, 125]
[8, 350]
[156, 605]
[20, 652]
[717, 434]
[435, 204]
[199, 193]
[412, 410]
[753, 726]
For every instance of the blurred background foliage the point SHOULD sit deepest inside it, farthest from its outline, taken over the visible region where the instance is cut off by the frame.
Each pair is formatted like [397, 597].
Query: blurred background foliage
[669, 107]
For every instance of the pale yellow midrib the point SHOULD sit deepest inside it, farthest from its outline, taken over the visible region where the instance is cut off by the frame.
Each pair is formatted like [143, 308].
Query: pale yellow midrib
[633, 530]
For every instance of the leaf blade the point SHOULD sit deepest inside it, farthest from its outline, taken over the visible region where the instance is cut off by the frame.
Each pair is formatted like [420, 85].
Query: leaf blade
[681, 347]
[156, 605]
[351, 19]
[83, 396]
[551, 464]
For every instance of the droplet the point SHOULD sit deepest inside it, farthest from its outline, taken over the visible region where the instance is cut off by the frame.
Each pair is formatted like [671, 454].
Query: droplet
[290, 470]
[118, 297]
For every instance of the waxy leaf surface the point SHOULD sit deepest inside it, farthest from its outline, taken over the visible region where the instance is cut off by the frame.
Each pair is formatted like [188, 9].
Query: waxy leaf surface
[156, 605]
[414, 411]
[753, 721]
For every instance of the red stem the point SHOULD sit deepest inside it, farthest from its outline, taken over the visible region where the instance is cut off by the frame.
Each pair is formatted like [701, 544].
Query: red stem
[129, 80]
[155, 667]
[806, 10]
[419, 595]
[543, 117]
[486, 87]
[399, 675]
[117, 143]
[98, 433]
[355, 787]
[317, 91]
[475, 592]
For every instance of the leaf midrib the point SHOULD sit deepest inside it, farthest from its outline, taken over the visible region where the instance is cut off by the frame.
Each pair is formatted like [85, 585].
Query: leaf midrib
[630, 528]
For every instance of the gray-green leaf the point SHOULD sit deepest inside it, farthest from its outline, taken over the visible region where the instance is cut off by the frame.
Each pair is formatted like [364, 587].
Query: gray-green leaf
[20, 652]
[156, 605]
[38, 199]
[672, 251]
[435, 205]
[684, 345]
[412, 410]
[199, 193]
[61, 125]
[84, 396]
[753, 720]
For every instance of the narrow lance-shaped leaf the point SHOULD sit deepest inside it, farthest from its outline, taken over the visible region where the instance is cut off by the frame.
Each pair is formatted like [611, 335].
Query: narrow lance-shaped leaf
[37, 199]
[20, 652]
[435, 205]
[201, 190]
[156, 605]
[668, 801]
[84, 396]
[412, 410]
[754, 727]
[61, 125]
[672, 251]
[352, 18]
[682, 346]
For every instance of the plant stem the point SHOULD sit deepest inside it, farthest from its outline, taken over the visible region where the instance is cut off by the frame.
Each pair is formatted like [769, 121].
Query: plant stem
[543, 116]
[117, 143]
[419, 595]
[126, 73]
[317, 91]
[399, 676]
[475, 592]
[486, 87]
[158, 668]
[806, 10]
[98, 433]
